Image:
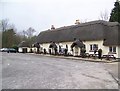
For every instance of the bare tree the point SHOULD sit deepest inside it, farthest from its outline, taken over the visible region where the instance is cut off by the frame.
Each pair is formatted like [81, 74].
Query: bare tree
[12, 26]
[83, 21]
[104, 16]
[24, 33]
[4, 24]
[0, 39]
[29, 32]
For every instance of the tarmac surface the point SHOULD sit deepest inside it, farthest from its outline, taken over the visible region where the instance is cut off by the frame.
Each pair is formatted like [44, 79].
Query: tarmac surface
[34, 71]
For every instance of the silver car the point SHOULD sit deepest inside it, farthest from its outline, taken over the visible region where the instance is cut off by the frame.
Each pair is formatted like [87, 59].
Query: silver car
[4, 49]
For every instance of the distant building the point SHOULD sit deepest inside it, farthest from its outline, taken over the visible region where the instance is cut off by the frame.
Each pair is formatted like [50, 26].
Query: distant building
[98, 34]
[24, 47]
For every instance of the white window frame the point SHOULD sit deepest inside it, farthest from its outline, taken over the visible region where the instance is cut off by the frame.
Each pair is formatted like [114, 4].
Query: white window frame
[92, 47]
[112, 50]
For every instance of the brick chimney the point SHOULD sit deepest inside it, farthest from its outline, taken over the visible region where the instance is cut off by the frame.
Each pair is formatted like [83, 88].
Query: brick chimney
[77, 21]
[52, 27]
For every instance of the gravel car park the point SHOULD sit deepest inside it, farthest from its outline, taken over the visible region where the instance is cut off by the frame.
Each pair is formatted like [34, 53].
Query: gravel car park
[34, 71]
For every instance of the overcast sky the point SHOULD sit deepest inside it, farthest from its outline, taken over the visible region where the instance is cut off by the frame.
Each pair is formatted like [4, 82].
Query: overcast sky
[41, 14]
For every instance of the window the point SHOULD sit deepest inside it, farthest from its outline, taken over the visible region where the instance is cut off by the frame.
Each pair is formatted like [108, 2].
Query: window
[93, 47]
[112, 49]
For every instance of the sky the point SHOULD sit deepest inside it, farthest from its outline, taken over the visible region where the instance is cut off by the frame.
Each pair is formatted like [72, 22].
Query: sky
[41, 14]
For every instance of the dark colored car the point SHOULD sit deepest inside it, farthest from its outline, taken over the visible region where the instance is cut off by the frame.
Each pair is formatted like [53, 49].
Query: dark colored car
[11, 50]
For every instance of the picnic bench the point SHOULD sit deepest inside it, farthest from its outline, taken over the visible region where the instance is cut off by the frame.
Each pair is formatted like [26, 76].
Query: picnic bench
[109, 56]
[91, 55]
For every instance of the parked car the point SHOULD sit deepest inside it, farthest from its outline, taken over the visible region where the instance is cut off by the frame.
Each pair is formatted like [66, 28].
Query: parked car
[12, 50]
[4, 49]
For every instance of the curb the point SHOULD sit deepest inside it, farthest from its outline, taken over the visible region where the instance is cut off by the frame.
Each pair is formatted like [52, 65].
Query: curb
[77, 58]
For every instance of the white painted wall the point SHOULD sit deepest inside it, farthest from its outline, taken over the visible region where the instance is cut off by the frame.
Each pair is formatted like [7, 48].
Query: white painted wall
[69, 46]
[34, 49]
[118, 51]
[76, 51]
[19, 49]
[99, 43]
[63, 44]
[46, 46]
[105, 49]
[28, 50]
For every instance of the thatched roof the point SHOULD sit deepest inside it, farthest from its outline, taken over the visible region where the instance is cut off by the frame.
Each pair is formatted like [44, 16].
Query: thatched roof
[95, 30]
[36, 45]
[52, 45]
[77, 43]
[24, 44]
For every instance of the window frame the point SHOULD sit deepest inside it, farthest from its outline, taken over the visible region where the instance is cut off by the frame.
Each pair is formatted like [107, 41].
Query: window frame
[112, 49]
[92, 47]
